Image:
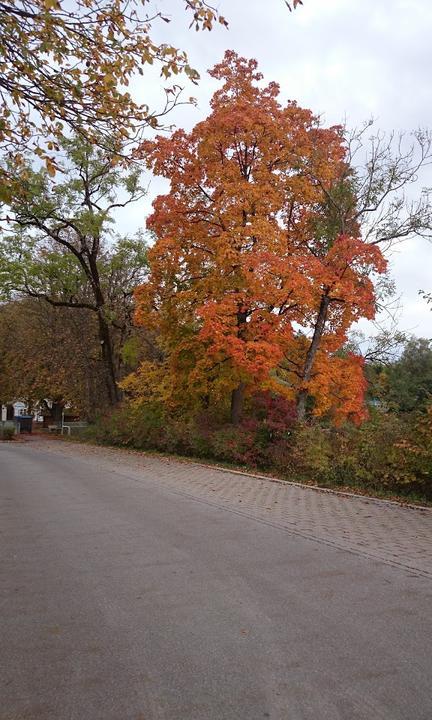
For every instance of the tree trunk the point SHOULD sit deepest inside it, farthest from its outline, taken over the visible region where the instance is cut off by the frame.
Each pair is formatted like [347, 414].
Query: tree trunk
[301, 404]
[113, 391]
[57, 410]
[237, 396]
[310, 356]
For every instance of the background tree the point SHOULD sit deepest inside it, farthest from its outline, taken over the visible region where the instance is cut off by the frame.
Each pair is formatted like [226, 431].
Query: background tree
[405, 385]
[50, 354]
[59, 246]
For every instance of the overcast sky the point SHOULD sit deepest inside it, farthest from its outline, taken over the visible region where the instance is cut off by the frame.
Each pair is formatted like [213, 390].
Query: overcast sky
[345, 60]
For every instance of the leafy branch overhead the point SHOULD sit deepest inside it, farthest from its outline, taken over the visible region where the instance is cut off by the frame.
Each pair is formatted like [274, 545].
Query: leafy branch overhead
[68, 66]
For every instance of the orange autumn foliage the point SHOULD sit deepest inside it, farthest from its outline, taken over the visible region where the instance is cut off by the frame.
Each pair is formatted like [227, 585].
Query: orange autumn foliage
[239, 265]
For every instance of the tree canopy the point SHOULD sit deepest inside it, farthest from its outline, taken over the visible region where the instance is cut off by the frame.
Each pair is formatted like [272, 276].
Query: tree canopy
[407, 382]
[248, 251]
[50, 354]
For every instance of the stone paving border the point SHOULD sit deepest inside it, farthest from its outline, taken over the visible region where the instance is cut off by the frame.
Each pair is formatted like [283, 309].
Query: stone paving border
[377, 529]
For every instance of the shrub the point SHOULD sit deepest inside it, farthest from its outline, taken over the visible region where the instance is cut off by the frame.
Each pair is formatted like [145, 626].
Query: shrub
[311, 453]
[7, 430]
[416, 454]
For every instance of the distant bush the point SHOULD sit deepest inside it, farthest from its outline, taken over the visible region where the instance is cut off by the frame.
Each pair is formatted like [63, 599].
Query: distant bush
[7, 430]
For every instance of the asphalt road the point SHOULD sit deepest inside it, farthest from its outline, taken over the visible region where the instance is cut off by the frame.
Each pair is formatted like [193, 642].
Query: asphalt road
[125, 600]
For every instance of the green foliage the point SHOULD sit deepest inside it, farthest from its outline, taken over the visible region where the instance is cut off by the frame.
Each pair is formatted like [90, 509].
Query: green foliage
[131, 350]
[59, 248]
[58, 242]
[410, 378]
[403, 384]
[311, 452]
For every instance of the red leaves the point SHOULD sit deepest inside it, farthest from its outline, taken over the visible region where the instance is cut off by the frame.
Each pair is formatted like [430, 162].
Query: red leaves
[345, 272]
[338, 387]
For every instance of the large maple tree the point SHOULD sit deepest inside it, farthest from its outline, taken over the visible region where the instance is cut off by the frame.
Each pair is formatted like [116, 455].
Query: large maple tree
[253, 284]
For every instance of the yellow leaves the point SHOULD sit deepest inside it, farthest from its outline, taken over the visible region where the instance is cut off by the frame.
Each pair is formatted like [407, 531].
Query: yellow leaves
[95, 47]
[109, 80]
[145, 383]
[50, 166]
[50, 163]
[192, 74]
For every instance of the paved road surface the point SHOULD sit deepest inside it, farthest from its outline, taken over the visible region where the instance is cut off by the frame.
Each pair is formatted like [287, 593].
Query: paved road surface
[134, 588]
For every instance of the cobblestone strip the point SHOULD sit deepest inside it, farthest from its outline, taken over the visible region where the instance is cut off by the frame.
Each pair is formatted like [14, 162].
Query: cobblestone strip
[377, 529]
